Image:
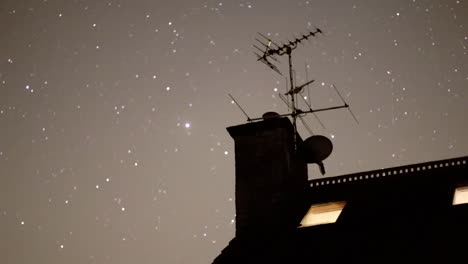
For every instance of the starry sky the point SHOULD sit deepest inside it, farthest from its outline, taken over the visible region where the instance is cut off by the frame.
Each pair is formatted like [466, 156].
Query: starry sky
[113, 146]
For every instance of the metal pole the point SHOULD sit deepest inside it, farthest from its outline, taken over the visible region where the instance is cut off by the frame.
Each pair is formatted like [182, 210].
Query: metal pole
[293, 102]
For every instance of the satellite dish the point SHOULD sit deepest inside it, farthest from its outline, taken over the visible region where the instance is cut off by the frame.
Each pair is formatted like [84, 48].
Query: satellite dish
[270, 115]
[315, 149]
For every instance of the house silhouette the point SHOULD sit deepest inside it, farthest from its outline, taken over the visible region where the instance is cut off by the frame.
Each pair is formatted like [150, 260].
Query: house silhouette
[409, 214]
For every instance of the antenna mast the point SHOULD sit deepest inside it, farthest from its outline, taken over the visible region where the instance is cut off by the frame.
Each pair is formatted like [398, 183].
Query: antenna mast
[280, 51]
[287, 49]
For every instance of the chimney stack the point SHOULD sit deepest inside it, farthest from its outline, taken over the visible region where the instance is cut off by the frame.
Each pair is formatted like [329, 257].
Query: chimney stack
[270, 177]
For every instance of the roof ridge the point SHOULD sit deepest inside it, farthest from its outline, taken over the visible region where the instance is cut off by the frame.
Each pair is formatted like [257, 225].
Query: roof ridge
[400, 170]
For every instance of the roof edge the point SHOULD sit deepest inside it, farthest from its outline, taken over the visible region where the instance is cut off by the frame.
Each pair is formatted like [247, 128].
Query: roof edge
[461, 162]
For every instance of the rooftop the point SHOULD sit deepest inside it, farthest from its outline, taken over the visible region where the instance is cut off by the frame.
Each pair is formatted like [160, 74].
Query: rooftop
[461, 162]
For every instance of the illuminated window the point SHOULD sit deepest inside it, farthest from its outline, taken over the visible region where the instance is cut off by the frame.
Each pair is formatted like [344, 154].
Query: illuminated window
[461, 195]
[320, 214]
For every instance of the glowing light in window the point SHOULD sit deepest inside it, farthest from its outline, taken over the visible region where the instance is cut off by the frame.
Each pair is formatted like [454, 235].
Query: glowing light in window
[460, 196]
[325, 213]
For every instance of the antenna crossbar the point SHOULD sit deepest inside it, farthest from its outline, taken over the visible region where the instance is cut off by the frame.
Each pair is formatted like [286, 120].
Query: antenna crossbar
[300, 112]
[238, 105]
[286, 48]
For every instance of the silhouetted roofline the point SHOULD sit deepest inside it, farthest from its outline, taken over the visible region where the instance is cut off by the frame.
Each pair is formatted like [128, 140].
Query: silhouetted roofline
[461, 162]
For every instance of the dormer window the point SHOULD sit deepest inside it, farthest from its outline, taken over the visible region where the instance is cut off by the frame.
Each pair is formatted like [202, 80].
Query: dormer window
[324, 213]
[461, 195]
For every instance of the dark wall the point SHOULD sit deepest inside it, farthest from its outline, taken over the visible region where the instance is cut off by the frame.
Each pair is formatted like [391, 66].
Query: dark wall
[269, 177]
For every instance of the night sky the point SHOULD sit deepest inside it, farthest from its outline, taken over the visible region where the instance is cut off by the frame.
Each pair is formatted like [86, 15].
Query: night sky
[113, 146]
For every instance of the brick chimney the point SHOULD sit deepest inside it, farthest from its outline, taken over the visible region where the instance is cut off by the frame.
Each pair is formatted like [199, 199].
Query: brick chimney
[270, 177]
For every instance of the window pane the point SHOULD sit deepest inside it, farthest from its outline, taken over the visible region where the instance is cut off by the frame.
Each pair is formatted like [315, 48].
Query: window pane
[461, 195]
[320, 214]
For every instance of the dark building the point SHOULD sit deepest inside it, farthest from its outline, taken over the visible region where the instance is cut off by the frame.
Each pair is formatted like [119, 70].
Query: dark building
[410, 214]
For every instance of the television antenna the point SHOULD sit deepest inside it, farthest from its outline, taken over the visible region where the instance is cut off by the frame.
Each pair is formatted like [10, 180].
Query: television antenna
[268, 54]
